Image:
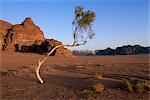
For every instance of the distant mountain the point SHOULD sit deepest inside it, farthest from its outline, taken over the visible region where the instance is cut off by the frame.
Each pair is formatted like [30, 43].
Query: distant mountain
[107, 51]
[124, 50]
[83, 52]
[129, 50]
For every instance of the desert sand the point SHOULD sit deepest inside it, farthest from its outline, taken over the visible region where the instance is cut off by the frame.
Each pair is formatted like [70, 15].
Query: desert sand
[70, 78]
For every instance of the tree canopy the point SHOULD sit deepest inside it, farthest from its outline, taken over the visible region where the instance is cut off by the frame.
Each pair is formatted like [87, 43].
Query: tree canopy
[82, 25]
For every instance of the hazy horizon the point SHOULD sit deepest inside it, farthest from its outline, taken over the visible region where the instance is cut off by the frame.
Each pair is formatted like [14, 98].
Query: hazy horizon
[118, 22]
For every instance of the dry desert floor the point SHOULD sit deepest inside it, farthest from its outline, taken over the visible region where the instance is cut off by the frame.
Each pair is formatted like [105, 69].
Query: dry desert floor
[70, 78]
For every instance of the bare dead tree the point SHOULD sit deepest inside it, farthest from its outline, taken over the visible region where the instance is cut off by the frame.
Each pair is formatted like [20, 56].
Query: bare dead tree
[82, 33]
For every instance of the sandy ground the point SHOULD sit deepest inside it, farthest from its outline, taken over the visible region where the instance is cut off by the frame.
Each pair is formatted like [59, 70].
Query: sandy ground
[70, 78]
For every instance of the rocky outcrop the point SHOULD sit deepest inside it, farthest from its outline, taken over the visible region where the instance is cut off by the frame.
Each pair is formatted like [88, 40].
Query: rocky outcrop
[107, 51]
[129, 50]
[22, 34]
[4, 28]
[124, 50]
[27, 37]
[45, 47]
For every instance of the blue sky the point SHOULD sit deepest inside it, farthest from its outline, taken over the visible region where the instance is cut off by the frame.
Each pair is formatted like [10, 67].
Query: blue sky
[118, 22]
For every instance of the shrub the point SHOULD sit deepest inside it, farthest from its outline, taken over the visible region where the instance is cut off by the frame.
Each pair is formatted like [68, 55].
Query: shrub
[99, 87]
[135, 85]
[126, 85]
[138, 87]
[147, 85]
[98, 76]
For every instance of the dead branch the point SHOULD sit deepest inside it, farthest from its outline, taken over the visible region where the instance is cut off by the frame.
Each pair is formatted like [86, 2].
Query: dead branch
[37, 70]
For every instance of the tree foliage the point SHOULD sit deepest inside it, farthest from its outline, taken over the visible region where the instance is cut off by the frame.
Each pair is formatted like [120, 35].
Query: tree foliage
[82, 25]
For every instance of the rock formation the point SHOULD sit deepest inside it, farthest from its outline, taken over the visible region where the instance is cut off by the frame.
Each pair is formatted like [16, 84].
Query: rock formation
[124, 50]
[4, 27]
[27, 37]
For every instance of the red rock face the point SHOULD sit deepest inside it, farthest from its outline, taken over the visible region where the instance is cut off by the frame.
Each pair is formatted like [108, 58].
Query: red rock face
[4, 26]
[24, 34]
[27, 37]
[60, 51]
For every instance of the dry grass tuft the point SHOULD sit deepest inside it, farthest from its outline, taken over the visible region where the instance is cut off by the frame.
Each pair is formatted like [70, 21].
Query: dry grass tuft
[99, 87]
[135, 85]
[98, 76]
[126, 85]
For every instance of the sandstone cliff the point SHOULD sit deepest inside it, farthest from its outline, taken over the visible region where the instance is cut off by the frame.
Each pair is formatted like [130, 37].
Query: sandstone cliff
[4, 28]
[27, 37]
